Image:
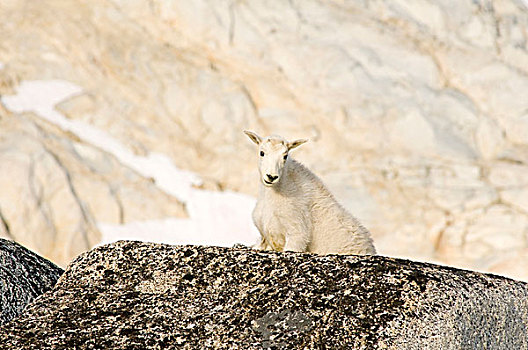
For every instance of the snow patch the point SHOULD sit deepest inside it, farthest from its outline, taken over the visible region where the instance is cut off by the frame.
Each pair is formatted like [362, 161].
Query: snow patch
[215, 218]
[41, 96]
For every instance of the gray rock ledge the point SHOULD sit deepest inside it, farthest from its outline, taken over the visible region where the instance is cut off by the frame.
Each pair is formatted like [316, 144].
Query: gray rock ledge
[24, 276]
[132, 295]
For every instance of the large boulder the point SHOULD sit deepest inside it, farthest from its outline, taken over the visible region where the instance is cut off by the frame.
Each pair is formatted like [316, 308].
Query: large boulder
[144, 295]
[24, 276]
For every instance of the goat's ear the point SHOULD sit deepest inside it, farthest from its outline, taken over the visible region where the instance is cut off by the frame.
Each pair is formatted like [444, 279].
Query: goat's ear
[254, 137]
[296, 143]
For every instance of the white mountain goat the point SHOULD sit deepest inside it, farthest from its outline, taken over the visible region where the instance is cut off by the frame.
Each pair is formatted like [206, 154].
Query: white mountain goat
[295, 211]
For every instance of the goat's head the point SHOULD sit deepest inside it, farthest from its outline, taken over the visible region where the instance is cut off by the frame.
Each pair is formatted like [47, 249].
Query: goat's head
[273, 154]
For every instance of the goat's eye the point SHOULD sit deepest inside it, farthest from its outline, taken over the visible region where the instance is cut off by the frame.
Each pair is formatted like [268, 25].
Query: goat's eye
[262, 153]
[285, 156]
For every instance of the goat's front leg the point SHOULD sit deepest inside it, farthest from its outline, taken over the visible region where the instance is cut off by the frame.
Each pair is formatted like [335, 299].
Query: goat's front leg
[297, 238]
[262, 245]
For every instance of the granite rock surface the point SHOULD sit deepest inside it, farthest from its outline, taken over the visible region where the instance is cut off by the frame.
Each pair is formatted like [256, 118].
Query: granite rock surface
[131, 295]
[24, 276]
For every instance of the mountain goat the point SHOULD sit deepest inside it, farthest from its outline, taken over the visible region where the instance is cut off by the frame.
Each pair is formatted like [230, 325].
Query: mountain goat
[295, 211]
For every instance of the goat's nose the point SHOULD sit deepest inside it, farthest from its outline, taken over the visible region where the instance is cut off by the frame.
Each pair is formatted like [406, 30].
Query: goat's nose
[272, 178]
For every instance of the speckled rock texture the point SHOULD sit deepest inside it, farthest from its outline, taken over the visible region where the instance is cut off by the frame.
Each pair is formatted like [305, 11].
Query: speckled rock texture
[24, 276]
[132, 295]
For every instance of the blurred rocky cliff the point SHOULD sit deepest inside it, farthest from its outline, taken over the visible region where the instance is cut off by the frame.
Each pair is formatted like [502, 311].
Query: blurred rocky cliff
[417, 112]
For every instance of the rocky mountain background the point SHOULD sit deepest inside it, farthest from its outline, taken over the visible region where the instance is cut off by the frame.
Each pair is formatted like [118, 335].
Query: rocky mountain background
[417, 112]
